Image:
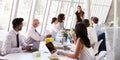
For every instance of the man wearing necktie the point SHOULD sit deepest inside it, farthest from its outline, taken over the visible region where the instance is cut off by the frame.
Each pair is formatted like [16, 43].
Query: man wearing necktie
[32, 34]
[13, 42]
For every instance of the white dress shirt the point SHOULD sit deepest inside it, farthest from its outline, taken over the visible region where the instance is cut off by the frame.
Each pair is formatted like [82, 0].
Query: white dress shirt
[54, 30]
[92, 35]
[33, 36]
[54, 27]
[60, 29]
[60, 26]
[10, 43]
[98, 29]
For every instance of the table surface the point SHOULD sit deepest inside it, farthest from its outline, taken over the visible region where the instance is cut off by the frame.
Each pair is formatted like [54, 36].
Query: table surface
[44, 55]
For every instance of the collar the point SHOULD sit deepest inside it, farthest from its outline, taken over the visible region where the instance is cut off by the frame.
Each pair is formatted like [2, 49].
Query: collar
[33, 27]
[94, 25]
[15, 32]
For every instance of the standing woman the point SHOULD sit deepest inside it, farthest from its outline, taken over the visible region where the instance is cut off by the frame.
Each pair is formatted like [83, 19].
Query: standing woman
[78, 17]
[83, 50]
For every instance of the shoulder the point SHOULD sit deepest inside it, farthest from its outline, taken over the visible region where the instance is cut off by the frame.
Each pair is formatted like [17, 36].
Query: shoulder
[31, 29]
[95, 25]
[76, 12]
[58, 24]
[79, 43]
[9, 36]
[61, 23]
[79, 40]
[90, 29]
[10, 33]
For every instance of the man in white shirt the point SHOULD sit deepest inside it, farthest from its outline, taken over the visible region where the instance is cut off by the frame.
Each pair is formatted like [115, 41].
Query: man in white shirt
[32, 33]
[100, 33]
[92, 35]
[14, 42]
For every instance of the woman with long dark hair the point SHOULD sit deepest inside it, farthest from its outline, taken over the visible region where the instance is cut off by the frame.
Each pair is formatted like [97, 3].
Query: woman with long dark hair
[83, 50]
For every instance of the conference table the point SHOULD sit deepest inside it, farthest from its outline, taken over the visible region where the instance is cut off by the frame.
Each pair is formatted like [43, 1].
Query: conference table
[44, 54]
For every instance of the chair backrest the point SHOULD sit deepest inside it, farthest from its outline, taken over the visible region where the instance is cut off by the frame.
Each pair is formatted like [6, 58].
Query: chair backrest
[101, 55]
[96, 46]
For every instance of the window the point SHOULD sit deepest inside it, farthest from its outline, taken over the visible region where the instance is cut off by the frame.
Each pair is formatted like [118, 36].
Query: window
[24, 9]
[40, 13]
[5, 11]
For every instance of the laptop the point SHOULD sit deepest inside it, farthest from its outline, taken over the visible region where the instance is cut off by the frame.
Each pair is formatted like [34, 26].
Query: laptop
[51, 48]
[35, 47]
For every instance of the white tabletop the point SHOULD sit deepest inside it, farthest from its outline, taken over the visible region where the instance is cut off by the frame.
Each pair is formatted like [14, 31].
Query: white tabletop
[44, 55]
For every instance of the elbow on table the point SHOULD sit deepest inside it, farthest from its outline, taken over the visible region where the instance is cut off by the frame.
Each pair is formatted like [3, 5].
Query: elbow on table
[74, 56]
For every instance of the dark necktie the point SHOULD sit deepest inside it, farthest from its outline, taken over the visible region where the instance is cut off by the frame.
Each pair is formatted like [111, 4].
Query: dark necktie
[17, 38]
[37, 32]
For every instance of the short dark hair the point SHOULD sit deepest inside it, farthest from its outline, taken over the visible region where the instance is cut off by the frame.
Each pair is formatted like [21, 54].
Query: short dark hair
[53, 20]
[16, 22]
[81, 32]
[95, 20]
[61, 17]
[86, 22]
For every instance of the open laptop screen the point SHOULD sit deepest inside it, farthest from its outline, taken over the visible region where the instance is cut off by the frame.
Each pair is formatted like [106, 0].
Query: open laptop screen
[51, 47]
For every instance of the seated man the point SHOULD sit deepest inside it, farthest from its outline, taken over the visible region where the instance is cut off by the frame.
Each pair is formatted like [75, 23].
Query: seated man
[92, 35]
[100, 33]
[32, 33]
[14, 42]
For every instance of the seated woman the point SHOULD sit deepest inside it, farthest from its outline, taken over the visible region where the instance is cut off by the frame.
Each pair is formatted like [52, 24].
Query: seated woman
[61, 18]
[83, 50]
[54, 28]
